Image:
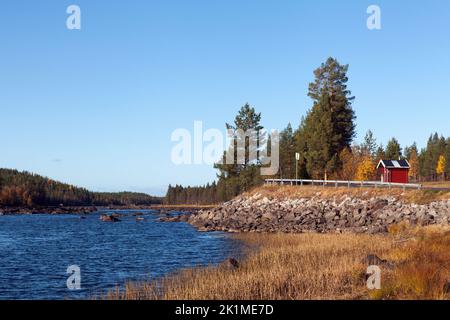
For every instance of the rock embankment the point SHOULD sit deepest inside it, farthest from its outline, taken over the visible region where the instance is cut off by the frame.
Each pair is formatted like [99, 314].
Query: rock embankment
[256, 213]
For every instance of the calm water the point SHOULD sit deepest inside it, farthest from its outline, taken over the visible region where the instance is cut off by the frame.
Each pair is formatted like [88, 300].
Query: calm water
[35, 251]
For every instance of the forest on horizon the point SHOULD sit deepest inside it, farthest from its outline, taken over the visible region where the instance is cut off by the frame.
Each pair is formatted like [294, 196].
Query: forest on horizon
[28, 190]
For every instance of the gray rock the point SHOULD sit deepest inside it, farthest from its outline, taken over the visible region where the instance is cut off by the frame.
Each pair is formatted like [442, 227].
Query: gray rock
[261, 214]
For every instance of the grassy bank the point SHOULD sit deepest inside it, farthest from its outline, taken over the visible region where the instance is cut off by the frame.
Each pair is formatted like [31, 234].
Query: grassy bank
[437, 184]
[315, 266]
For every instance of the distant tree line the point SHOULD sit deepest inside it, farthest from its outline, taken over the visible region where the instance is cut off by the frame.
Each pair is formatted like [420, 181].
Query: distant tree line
[27, 189]
[432, 162]
[324, 142]
[207, 194]
[124, 199]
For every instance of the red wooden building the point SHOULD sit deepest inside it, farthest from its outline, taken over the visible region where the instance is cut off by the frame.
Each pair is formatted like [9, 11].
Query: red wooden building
[395, 171]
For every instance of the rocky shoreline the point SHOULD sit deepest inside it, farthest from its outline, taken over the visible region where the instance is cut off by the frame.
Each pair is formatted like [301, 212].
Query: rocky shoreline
[46, 210]
[170, 212]
[258, 213]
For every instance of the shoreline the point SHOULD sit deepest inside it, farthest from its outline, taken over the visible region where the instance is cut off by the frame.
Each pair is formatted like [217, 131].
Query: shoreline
[54, 210]
[19, 210]
[182, 208]
[313, 266]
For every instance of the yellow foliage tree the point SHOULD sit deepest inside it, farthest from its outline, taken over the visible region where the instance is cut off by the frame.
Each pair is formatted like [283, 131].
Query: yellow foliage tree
[366, 169]
[349, 165]
[442, 163]
[414, 163]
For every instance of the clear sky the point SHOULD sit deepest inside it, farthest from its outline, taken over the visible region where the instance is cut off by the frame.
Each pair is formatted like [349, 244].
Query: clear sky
[96, 107]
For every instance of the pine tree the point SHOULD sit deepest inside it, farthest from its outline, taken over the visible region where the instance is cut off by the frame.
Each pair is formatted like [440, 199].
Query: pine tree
[393, 150]
[447, 157]
[380, 154]
[240, 176]
[331, 81]
[301, 149]
[329, 126]
[318, 134]
[287, 153]
[370, 144]
[430, 156]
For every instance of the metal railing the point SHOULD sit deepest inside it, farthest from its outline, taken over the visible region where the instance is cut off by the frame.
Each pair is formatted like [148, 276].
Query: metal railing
[342, 183]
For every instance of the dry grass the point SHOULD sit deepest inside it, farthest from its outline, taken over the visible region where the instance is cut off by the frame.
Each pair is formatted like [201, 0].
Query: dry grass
[315, 266]
[422, 264]
[437, 184]
[292, 192]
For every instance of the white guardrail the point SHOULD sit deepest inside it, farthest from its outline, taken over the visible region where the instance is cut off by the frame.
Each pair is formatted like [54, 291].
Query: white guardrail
[337, 183]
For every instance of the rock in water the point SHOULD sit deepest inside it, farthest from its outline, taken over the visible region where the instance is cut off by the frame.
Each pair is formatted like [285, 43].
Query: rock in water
[109, 218]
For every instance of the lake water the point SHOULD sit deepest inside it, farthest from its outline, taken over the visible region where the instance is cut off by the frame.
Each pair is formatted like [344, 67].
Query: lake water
[36, 250]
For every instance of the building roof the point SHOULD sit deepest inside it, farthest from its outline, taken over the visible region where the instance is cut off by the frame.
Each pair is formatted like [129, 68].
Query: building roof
[394, 164]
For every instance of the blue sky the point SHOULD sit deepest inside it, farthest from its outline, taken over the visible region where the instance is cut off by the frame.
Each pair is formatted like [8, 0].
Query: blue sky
[96, 107]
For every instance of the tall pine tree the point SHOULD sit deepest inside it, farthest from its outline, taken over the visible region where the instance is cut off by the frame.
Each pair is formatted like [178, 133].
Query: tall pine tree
[287, 153]
[329, 126]
[244, 170]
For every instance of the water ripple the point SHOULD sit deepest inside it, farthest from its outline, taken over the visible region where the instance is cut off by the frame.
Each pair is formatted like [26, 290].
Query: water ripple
[35, 251]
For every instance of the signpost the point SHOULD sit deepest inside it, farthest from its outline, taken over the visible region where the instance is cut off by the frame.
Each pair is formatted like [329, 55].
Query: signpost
[297, 157]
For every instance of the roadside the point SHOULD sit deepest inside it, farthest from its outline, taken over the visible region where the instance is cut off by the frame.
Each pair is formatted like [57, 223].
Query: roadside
[437, 185]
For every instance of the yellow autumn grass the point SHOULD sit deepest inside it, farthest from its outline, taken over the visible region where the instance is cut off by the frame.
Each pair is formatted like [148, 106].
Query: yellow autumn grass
[314, 266]
[422, 264]
[437, 184]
